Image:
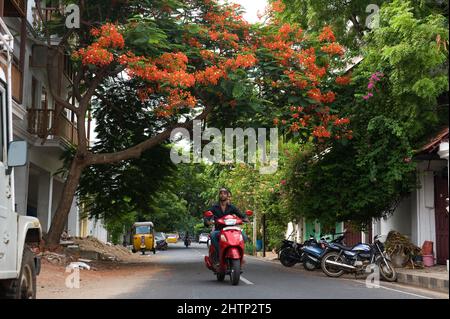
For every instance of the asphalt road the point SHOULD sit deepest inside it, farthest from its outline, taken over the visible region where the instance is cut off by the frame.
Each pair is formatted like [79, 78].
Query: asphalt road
[182, 275]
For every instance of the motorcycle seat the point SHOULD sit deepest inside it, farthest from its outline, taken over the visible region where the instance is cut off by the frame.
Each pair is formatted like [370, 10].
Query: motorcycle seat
[342, 246]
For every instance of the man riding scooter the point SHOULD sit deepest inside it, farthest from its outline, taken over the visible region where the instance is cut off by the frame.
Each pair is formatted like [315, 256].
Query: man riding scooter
[220, 209]
[187, 239]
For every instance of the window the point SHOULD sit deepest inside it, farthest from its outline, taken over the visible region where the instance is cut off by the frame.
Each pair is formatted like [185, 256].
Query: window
[143, 230]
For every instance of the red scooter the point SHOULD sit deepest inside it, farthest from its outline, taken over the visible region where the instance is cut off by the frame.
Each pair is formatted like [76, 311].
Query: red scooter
[231, 248]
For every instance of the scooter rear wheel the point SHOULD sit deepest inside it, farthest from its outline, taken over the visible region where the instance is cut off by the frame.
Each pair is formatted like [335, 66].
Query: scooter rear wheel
[235, 274]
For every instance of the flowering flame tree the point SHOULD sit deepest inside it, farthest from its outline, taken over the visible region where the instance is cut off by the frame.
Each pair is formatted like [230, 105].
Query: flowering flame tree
[202, 60]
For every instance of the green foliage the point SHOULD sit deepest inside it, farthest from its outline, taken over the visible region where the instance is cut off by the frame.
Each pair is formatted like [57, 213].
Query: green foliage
[347, 18]
[367, 177]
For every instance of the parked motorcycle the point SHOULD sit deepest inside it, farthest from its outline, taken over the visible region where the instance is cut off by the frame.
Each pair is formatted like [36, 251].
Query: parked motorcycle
[291, 253]
[231, 248]
[315, 250]
[340, 259]
[309, 253]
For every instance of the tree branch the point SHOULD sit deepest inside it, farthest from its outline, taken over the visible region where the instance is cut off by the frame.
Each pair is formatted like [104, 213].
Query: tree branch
[137, 150]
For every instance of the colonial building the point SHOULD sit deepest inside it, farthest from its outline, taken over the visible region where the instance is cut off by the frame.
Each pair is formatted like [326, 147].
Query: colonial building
[423, 216]
[37, 73]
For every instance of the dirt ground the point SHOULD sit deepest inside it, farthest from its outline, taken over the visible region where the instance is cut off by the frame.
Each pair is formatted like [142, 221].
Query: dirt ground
[104, 280]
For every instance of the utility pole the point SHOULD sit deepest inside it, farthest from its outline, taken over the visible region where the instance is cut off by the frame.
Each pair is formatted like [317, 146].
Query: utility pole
[255, 224]
[263, 222]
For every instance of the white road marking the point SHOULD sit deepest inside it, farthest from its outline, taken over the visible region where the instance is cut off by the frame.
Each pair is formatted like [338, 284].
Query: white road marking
[248, 282]
[396, 290]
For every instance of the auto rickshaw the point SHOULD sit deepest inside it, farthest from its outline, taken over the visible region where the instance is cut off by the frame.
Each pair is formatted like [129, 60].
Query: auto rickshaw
[143, 237]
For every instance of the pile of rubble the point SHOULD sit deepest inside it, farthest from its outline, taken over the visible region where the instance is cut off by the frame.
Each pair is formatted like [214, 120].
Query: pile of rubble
[92, 248]
[86, 250]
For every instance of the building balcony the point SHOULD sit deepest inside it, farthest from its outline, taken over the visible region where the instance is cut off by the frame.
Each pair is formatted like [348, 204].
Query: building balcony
[48, 14]
[14, 8]
[46, 125]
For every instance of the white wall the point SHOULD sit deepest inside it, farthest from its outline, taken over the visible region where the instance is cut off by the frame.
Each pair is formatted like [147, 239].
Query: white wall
[400, 220]
[96, 229]
[73, 221]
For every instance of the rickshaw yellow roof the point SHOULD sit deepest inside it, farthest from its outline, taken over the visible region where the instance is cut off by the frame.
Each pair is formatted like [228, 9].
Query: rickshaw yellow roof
[143, 224]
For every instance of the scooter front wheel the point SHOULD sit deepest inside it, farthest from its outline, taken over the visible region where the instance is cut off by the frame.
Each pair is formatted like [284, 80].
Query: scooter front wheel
[220, 277]
[235, 274]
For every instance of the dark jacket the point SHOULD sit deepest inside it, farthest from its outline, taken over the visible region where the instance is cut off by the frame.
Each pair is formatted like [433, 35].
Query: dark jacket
[229, 210]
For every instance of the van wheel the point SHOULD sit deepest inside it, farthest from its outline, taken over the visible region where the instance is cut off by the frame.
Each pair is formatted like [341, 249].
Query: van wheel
[23, 287]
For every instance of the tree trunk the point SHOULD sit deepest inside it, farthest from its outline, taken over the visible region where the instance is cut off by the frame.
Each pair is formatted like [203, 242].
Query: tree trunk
[60, 218]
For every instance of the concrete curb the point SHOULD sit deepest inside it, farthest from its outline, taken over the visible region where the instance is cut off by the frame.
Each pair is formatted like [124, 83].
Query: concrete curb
[427, 282]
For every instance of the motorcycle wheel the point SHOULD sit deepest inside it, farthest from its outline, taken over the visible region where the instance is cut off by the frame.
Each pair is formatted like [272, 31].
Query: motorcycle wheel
[286, 259]
[309, 265]
[389, 275]
[331, 271]
[220, 277]
[235, 274]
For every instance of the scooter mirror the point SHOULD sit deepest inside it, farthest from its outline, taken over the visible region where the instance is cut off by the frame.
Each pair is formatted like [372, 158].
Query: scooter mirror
[208, 214]
[249, 213]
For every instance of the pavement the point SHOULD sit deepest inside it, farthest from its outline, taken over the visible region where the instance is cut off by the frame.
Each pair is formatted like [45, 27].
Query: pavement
[432, 278]
[184, 276]
[180, 273]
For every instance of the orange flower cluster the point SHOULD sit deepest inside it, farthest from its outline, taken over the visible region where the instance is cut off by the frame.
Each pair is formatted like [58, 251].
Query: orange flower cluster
[327, 35]
[108, 37]
[321, 131]
[179, 98]
[172, 61]
[94, 55]
[211, 75]
[333, 49]
[243, 61]
[315, 94]
[278, 6]
[296, 79]
[169, 68]
[223, 18]
[207, 55]
[342, 121]
[343, 80]
[328, 97]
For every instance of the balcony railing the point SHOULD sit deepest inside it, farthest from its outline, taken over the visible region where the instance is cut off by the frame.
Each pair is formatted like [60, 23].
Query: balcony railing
[15, 8]
[48, 14]
[45, 123]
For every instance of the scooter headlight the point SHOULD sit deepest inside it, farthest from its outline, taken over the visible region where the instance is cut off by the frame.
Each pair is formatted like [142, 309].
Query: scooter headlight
[223, 238]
